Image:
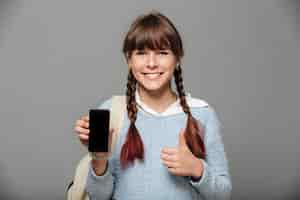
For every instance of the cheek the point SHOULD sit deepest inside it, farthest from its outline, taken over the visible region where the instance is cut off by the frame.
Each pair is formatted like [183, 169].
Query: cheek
[135, 69]
[136, 73]
[136, 65]
[169, 64]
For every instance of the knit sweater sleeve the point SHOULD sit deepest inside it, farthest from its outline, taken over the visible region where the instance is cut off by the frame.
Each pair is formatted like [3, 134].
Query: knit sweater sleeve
[99, 187]
[215, 183]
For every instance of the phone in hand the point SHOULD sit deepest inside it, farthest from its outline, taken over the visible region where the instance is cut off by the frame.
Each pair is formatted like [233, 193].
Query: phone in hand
[99, 130]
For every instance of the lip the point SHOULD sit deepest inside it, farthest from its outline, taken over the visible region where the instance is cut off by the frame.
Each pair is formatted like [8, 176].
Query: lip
[152, 76]
[160, 73]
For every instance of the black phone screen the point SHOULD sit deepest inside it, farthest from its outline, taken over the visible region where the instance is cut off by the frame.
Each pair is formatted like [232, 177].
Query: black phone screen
[99, 130]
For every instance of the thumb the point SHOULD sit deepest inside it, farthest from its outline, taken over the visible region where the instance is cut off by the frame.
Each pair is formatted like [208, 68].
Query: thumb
[182, 141]
[110, 138]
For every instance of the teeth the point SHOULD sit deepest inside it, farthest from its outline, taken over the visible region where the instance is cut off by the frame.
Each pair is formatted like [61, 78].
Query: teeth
[153, 75]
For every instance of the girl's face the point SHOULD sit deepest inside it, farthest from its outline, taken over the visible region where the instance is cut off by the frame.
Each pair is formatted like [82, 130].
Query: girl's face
[153, 69]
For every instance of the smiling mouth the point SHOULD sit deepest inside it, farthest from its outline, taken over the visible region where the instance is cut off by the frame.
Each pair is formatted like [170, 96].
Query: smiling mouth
[153, 75]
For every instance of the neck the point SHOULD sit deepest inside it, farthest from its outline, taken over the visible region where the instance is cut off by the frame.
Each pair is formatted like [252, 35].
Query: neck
[157, 100]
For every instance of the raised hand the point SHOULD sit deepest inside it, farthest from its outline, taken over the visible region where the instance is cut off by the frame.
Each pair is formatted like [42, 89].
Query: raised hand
[180, 160]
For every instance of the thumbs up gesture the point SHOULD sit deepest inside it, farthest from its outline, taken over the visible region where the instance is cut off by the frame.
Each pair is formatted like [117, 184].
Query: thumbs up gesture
[180, 160]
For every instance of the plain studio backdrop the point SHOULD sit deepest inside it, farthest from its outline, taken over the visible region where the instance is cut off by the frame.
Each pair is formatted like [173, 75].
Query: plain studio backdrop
[59, 58]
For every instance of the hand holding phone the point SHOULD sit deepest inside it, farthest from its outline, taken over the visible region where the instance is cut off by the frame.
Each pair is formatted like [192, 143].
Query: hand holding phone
[99, 130]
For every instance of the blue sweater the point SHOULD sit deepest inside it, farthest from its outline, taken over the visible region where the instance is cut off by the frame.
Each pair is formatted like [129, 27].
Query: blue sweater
[150, 179]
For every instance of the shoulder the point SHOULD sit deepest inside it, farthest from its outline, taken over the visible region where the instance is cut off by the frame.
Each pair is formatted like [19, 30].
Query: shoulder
[104, 103]
[194, 102]
[200, 108]
[107, 103]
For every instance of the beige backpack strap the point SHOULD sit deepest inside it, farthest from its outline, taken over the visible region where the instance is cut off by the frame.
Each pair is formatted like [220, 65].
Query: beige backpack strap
[77, 190]
[117, 114]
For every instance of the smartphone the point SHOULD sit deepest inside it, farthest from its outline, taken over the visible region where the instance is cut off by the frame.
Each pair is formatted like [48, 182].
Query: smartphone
[99, 130]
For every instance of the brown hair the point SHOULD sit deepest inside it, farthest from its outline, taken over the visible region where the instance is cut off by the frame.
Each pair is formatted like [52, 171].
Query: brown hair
[156, 31]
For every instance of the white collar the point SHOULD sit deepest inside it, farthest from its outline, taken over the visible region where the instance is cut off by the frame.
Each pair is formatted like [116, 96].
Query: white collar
[174, 108]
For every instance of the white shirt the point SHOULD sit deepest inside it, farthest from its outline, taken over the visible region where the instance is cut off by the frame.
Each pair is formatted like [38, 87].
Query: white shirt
[174, 108]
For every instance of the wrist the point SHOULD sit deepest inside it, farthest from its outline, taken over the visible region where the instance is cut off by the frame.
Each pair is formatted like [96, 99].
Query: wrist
[198, 170]
[99, 166]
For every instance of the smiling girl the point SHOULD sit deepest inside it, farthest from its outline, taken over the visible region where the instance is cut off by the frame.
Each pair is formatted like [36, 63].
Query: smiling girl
[170, 144]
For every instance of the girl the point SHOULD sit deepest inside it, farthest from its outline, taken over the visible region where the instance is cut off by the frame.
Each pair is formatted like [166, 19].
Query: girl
[170, 145]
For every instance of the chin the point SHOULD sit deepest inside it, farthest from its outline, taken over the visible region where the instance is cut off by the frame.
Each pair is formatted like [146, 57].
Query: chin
[151, 88]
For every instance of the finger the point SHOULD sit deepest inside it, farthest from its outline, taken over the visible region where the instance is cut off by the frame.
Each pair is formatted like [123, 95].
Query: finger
[84, 141]
[167, 157]
[83, 137]
[169, 150]
[85, 118]
[170, 164]
[82, 123]
[80, 130]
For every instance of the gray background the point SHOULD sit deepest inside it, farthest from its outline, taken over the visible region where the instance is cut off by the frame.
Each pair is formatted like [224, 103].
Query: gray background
[59, 58]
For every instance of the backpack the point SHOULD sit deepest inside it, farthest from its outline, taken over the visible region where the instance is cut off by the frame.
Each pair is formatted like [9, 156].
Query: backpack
[76, 189]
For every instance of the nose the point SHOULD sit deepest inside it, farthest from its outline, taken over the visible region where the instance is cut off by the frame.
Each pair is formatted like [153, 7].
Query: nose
[152, 60]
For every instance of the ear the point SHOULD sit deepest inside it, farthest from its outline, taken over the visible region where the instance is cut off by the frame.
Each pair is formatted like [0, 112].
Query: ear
[128, 67]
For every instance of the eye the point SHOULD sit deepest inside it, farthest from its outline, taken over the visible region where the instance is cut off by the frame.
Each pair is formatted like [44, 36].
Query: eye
[163, 52]
[140, 52]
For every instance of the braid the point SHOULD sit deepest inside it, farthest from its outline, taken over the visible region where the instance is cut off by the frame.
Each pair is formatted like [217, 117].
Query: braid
[180, 90]
[194, 130]
[133, 147]
[130, 97]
